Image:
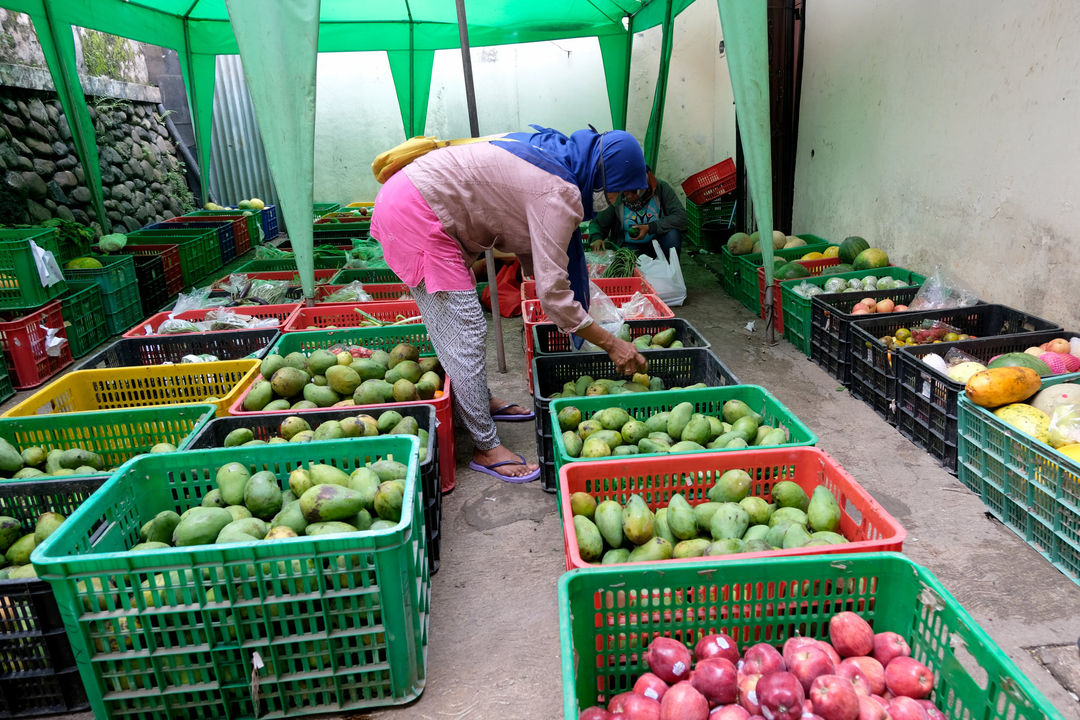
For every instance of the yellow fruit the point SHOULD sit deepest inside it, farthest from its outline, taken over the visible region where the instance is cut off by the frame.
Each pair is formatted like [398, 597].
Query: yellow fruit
[812, 256]
[257, 204]
[1071, 451]
[831, 251]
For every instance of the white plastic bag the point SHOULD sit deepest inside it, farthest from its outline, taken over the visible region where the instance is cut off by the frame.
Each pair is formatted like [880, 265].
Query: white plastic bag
[603, 312]
[665, 275]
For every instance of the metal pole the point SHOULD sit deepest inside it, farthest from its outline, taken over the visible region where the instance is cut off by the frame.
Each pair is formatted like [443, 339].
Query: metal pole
[474, 128]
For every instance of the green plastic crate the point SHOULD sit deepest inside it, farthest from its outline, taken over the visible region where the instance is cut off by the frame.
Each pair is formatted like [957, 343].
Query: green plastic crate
[115, 435]
[608, 617]
[1026, 484]
[200, 251]
[373, 338]
[321, 262]
[320, 209]
[253, 220]
[746, 278]
[116, 272]
[84, 316]
[707, 401]
[340, 622]
[123, 309]
[20, 284]
[797, 308]
[371, 275]
[7, 390]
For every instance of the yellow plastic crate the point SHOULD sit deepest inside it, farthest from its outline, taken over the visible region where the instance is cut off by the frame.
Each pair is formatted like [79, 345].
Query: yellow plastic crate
[149, 386]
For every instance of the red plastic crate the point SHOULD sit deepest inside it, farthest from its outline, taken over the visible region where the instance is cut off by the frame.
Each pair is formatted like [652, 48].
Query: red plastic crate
[379, 292]
[320, 276]
[611, 286]
[710, 183]
[814, 266]
[239, 225]
[149, 326]
[345, 315]
[862, 520]
[23, 343]
[170, 259]
[444, 422]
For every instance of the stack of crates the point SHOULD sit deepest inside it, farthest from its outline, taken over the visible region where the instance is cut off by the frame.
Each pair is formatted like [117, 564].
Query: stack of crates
[30, 311]
[721, 210]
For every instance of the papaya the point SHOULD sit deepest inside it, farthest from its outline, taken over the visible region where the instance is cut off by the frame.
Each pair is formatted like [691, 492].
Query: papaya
[1002, 385]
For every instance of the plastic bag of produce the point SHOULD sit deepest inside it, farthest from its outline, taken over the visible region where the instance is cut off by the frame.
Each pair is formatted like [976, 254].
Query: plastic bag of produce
[834, 285]
[174, 326]
[929, 331]
[269, 292]
[197, 299]
[637, 308]
[941, 291]
[1065, 425]
[236, 285]
[351, 293]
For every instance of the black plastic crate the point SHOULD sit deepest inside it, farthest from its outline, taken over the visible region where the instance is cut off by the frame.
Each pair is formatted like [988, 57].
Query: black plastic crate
[830, 316]
[153, 289]
[160, 349]
[38, 673]
[687, 366]
[549, 340]
[263, 427]
[926, 399]
[226, 235]
[873, 369]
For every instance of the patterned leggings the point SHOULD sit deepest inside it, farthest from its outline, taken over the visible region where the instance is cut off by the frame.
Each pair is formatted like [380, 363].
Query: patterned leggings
[458, 330]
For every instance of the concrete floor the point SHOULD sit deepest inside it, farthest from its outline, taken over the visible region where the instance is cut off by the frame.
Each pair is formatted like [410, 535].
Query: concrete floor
[494, 641]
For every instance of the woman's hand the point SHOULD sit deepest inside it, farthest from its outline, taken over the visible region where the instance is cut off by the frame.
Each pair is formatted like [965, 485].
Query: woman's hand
[598, 245]
[626, 357]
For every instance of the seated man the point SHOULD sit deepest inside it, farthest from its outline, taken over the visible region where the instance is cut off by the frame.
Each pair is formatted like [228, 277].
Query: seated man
[637, 217]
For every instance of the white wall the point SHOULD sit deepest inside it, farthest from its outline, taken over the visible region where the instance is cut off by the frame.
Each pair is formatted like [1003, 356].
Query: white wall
[946, 134]
[557, 84]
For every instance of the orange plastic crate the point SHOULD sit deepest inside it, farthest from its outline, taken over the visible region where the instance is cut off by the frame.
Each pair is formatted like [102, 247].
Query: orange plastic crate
[814, 266]
[379, 292]
[868, 526]
[710, 183]
[23, 341]
[149, 327]
[611, 286]
[345, 315]
[290, 275]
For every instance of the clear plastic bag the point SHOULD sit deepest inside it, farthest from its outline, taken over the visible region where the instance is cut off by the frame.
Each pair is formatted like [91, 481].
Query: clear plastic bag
[941, 291]
[955, 357]
[929, 331]
[174, 326]
[351, 293]
[226, 319]
[270, 252]
[270, 292]
[236, 285]
[808, 290]
[604, 313]
[638, 307]
[197, 299]
[1065, 425]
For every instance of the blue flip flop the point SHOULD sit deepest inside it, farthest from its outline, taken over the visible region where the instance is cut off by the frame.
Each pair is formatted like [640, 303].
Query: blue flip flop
[500, 416]
[490, 470]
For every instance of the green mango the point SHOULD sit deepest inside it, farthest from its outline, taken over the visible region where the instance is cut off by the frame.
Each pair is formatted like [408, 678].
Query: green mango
[788, 514]
[731, 486]
[10, 531]
[823, 512]
[243, 530]
[366, 482]
[776, 436]
[755, 532]
[388, 500]
[28, 472]
[582, 503]
[162, 527]
[362, 521]
[703, 513]
[642, 342]
[638, 521]
[734, 409]
[331, 528]
[239, 512]
[367, 369]
[828, 537]
[716, 427]
[262, 495]
[736, 444]
[625, 450]
[259, 396]
[756, 545]
[612, 437]
[729, 521]
[648, 445]
[200, 526]
[323, 474]
[795, 537]
[143, 546]
[656, 383]
[390, 470]
[656, 548]
[660, 525]
[664, 338]
[678, 419]
[329, 430]
[572, 443]
[698, 429]
[746, 427]
[658, 422]
[590, 543]
[615, 556]
[270, 365]
[758, 510]
[277, 405]
[587, 428]
[238, 437]
[73, 458]
[775, 536]
[569, 418]
[609, 521]
[582, 384]
[694, 547]
[290, 516]
[686, 446]
[680, 518]
[633, 431]
[612, 418]
[788, 494]
[595, 447]
[232, 478]
[725, 546]
[662, 437]
[407, 426]
[722, 441]
[19, 552]
[324, 503]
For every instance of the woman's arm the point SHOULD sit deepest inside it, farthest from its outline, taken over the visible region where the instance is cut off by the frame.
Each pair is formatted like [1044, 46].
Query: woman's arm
[625, 356]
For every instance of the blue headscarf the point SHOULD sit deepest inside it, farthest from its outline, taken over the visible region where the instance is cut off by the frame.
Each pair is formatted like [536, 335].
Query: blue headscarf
[576, 159]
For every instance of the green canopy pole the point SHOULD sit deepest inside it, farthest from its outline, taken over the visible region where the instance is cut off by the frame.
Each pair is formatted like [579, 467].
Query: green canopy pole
[199, 80]
[615, 53]
[58, 46]
[656, 117]
[278, 45]
[746, 41]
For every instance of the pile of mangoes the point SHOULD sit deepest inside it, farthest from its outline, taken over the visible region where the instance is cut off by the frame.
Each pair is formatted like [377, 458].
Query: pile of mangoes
[36, 461]
[326, 379]
[16, 545]
[612, 431]
[296, 428]
[587, 386]
[318, 500]
[729, 521]
[663, 340]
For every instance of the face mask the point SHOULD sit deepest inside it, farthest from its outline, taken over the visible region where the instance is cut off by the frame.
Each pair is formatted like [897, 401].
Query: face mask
[599, 201]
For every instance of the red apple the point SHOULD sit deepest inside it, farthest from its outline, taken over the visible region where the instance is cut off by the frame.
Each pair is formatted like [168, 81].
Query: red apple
[639, 706]
[761, 659]
[907, 676]
[719, 644]
[594, 713]
[870, 709]
[932, 710]
[850, 634]
[781, 696]
[615, 705]
[717, 679]
[808, 662]
[651, 686]
[888, 645]
[748, 693]
[905, 708]
[791, 645]
[830, 651]
[669, 659]
[729, 712]
[683, 702]
[871, 669]
[858, 680]
[834, 698]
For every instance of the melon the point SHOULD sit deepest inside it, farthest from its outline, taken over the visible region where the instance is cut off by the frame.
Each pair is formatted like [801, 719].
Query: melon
[832, 251]
[812, 256]
[1021, 359]
[84, 263]
[850, 248]
[1050, 397]
[793, 241]
[1071, 451]
[870, 259]
[257, 204]
[244, 205]
[962, 372]
[739, 244]
[779, 240]
[791, 271]
[836, 269]
[1027, 419]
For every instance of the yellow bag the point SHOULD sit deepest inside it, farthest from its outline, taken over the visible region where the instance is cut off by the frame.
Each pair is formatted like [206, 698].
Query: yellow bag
[390, 161]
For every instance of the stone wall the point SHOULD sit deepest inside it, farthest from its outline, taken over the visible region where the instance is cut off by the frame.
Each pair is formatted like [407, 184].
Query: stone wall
[141, 175]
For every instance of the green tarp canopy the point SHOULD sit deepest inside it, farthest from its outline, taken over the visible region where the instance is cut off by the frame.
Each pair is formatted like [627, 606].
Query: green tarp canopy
[272, 36]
